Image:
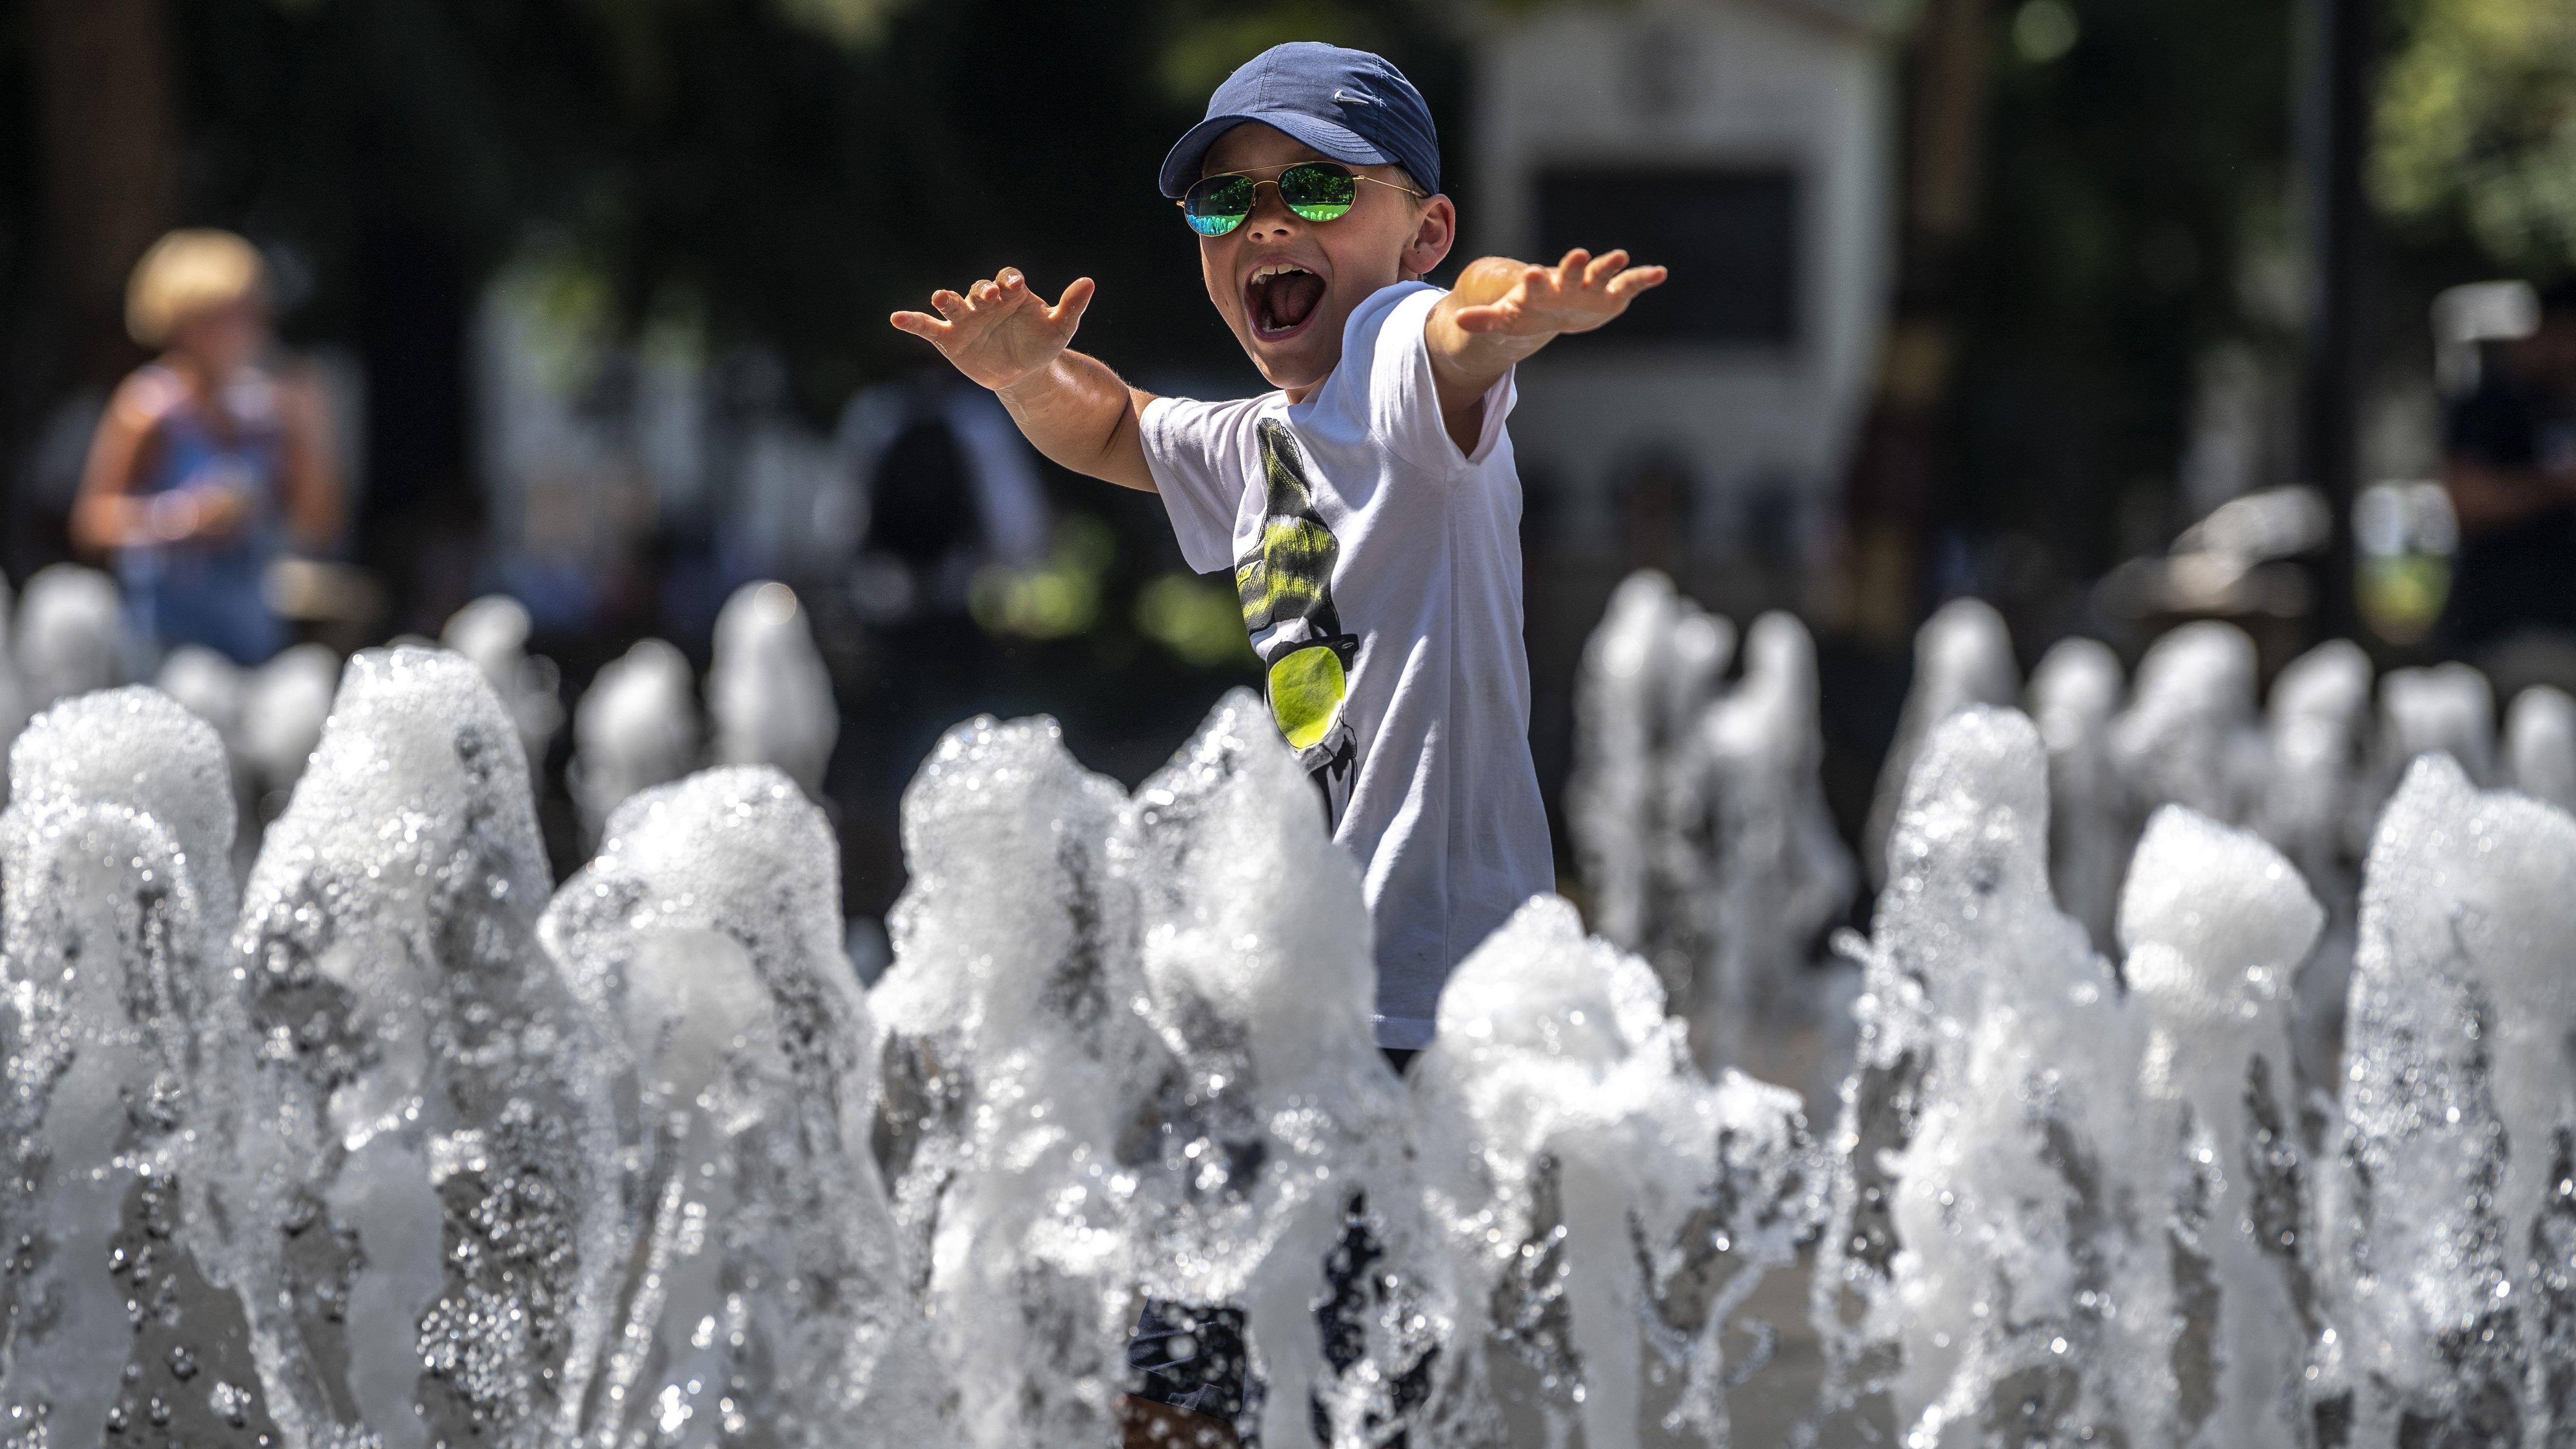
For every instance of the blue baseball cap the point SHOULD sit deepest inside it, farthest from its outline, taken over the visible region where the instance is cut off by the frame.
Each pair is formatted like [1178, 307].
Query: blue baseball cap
[1348, 104]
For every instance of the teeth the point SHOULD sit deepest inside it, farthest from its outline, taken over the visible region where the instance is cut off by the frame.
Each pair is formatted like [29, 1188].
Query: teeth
[1265, 272]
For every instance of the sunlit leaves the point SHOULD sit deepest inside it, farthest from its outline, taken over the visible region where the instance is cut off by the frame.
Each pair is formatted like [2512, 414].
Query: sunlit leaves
[2477, 121]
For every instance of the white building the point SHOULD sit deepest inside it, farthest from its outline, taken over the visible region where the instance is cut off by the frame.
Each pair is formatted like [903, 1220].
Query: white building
[1748, 145]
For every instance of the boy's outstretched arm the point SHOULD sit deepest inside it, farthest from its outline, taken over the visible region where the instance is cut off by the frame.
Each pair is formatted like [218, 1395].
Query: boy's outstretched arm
[1502, 311]
[1071, 407]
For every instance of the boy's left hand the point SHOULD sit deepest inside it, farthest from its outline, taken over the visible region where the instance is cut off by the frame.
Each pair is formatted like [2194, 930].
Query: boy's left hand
[1576, 295]
[1502, 311]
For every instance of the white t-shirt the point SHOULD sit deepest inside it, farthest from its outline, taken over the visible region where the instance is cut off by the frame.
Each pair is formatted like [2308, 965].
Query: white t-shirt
[1380, 572]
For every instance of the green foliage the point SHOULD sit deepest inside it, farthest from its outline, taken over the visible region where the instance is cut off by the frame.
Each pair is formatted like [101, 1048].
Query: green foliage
[2044, 30]
[1056, 598]
[793, 169]
[1199, 620]
[1206, 47]
[2134, 156]
[2477, 124]
[851, 23]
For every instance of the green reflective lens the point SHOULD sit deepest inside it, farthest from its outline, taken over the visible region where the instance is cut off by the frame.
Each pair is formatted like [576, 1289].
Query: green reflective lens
[1218, 204]
[1315, 190]
[1318, 192]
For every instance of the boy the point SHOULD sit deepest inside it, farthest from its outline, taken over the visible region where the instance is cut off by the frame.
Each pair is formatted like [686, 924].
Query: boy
[1368, 509]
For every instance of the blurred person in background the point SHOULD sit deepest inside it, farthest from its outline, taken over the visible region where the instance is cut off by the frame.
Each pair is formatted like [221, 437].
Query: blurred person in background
[211, 458]
[946, 487]
[949, 485]
[2509, 464]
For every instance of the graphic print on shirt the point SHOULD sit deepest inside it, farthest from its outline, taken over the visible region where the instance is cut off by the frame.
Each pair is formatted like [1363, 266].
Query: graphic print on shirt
[1286, 584]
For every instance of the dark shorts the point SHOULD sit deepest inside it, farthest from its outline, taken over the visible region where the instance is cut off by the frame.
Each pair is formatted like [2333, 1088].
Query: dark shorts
[1194, 1357]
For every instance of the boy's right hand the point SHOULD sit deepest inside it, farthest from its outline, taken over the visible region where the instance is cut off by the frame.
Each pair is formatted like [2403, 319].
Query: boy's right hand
[999, 332]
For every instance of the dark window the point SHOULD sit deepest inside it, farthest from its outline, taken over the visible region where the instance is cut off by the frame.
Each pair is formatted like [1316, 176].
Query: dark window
[1730, 236]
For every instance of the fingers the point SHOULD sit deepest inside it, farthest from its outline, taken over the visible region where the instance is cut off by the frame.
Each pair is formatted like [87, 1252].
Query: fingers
[1636, 279]
[1001, 291]
[1579, 293]
[1604, 267]
[1068, 308]
[987, 329]
[1582, 270]
[921, 325]
[1538, 284]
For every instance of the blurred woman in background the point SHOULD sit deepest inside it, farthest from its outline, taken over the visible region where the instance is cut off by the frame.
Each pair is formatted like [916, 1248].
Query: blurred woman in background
[210, 458]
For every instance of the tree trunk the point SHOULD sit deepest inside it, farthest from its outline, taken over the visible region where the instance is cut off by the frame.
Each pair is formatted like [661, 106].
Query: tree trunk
[2334, 133]
[1894, 484]
[102, 70]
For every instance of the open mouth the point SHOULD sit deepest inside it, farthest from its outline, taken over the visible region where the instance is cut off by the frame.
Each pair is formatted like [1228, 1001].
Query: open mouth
[1281, 298]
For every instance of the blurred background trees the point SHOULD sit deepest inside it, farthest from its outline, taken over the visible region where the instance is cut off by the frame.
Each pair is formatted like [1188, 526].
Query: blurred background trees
[777, 171]
[2101, 211]
[2477, 123]
[763, 173]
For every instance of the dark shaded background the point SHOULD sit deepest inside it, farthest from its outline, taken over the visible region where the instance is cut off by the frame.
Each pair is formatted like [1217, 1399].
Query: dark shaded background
[790, 170]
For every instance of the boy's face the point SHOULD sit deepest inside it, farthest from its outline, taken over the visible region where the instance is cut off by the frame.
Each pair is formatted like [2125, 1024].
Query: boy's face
[1287, 285]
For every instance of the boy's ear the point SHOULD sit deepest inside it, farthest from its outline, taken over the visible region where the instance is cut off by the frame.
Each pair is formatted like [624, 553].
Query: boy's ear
[1435, 231]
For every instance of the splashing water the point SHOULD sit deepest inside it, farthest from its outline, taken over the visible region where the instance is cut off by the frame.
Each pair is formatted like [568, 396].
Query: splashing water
[1966, 1281]
[283, 706]
[2540, 745]
[1682, 850]
[2215, 922]
[705, 945]
[767, 691]
[424, 1211]
[399, 1151]
[2449, 1256]
[492, 631]
[1963, 656]
[2447, 707]
[1603, 1203]
[1771, 874]
[2173, 1198]
[636, 727]
[124, 1043]
[1012, 1058]
[2074, 694]
[2316, 807]
[2188, 735]
[1621, 729]
[69, 634]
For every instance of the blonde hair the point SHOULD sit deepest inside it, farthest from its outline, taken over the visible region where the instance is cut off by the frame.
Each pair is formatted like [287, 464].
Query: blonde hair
[185, 273]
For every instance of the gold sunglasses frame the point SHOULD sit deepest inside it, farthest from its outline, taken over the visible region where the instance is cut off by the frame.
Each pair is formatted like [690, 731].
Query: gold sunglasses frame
[1272, 182]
